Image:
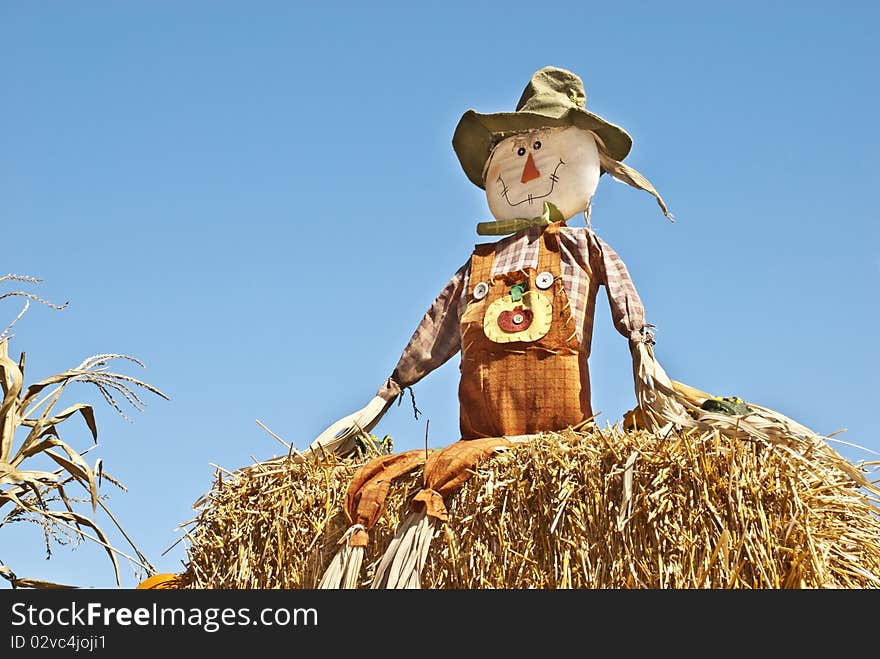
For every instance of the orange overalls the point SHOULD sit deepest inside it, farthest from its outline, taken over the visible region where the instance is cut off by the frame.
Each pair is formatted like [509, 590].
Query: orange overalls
[521, 366]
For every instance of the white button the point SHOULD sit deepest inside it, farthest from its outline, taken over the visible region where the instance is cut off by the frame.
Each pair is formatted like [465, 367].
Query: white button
[544, 280]
[481, 290]
[517, 319]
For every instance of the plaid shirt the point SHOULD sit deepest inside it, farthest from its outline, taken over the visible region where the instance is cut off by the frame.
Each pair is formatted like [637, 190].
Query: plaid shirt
[587, 262]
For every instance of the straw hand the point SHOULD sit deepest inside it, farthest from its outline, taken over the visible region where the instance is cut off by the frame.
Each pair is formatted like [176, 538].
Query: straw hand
[340, 437]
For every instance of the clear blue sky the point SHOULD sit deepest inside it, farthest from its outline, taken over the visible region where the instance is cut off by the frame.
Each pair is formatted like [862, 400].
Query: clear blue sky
[260, 201]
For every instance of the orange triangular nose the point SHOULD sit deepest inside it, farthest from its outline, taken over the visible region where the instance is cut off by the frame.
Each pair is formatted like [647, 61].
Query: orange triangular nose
[529, 171]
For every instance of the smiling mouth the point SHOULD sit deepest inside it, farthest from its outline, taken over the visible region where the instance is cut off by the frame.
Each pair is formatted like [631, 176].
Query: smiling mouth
[530, 198]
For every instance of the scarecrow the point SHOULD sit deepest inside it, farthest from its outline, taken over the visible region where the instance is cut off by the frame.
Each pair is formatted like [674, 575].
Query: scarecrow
[520, 310]
[520, 313]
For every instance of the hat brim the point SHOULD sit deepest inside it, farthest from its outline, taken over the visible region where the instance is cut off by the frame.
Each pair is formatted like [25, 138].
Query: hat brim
[477, 133]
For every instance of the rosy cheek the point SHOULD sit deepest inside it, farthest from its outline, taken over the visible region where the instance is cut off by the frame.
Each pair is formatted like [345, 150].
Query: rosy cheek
[493, 185]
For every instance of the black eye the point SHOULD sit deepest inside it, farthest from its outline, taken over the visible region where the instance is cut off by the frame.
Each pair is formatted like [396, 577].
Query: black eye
[536, 145]
[521, 151]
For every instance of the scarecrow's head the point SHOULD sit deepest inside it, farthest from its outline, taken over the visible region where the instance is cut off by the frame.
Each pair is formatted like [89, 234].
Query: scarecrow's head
[559, 165]
[550, 149]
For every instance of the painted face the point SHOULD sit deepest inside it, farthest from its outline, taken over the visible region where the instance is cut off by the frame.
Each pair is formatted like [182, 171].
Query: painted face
[559, 165]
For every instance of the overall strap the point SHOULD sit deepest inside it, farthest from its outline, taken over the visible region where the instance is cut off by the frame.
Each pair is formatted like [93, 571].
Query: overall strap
[482, 261]
[549, 258]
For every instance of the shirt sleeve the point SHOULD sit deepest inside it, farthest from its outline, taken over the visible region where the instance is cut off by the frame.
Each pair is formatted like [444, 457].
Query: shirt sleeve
[627, 311]
[435, 341]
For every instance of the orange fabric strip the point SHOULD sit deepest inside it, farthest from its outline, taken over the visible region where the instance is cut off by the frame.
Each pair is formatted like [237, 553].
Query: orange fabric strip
[448, 468]
[432, 503]
[366, 494]
[359, 538]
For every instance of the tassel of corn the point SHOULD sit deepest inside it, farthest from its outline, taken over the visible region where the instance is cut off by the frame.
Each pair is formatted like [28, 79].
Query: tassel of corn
[403, 560]
[364, 503]
[345, 568]
[661, 406]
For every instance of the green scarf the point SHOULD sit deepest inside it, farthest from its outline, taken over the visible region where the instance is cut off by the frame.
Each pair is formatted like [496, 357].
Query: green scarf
[503, 227]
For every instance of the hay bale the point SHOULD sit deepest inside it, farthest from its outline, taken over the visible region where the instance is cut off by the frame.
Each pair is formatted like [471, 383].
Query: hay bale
[602, 508]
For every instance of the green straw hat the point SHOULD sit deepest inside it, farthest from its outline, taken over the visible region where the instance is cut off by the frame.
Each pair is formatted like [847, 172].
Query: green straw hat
[553, 97]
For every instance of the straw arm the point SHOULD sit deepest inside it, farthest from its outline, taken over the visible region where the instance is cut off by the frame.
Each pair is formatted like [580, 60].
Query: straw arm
[338, 438]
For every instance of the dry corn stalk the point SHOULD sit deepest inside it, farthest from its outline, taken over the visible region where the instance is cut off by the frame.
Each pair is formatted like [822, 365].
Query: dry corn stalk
[30, 430]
